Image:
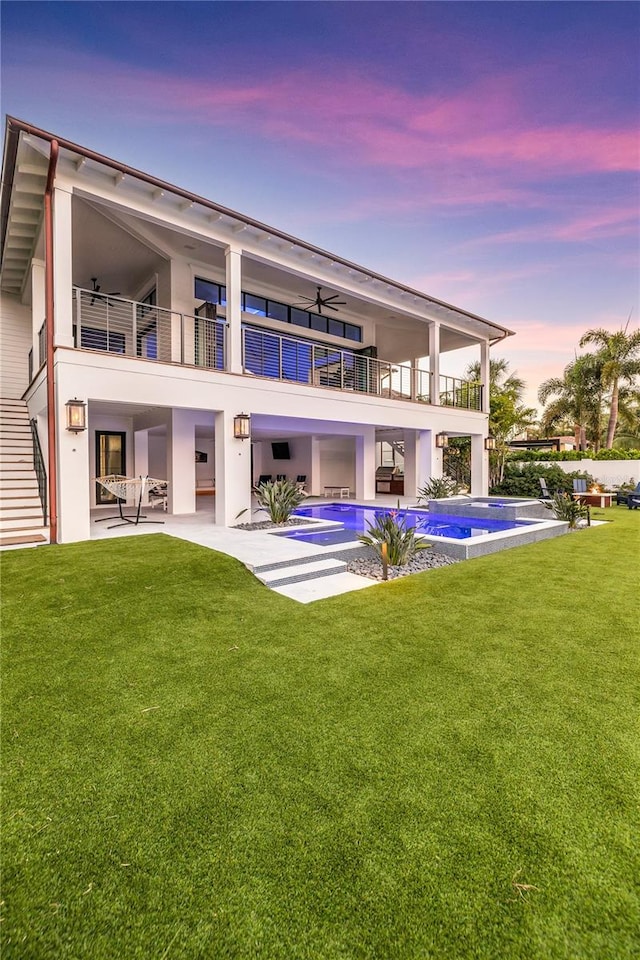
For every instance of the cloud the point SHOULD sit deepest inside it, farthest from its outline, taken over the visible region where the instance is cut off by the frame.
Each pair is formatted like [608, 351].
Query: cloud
[617, 221]
[354, 120]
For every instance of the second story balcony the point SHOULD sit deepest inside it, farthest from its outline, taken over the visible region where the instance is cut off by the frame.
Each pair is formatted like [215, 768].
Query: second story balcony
[145, 331]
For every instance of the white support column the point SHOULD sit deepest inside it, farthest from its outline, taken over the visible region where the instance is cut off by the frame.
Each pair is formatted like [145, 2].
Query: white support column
[233, 473]
[366, 464]
[434, 362]
[74, 521]
[314, 480]
[181, 462]
[485, 375]
[437, 469]
[414, 386]
[38, 307]
[418, 458]
[479, 466]
[234, 309]
[182, 302]
[62, 268]
[141, 456]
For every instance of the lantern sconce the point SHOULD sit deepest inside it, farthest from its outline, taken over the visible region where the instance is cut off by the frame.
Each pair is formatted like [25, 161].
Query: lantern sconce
[442, 441]
[242, 426]
[76, 415]
[490, 443]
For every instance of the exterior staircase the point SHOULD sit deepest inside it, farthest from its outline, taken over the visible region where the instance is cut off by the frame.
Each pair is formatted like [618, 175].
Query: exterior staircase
[21, 518]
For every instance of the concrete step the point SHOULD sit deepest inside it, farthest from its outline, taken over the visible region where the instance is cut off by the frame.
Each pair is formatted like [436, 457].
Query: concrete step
[24, 507]
[26, 503]
[20, 472]
[10, 487]
[295, 572]
[24, 522]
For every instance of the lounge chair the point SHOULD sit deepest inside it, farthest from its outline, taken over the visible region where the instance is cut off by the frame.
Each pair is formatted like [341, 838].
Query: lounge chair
[629, 498]
[580, 485]
[546, 493]
[301, 481]
[281, 476]
[158, 496]
[264, 478]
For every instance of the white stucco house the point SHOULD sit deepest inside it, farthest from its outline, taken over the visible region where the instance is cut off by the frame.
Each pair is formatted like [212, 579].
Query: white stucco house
[168, 315]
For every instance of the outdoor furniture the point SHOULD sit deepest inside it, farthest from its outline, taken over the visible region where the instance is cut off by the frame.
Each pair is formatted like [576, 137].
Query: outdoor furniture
[264, 478]
[281, 476]
[633, 498]
[546, 494]
[341, 492]
[127, 488]
[158, 495]
[301, 481]
[580, 485]
[594, 499]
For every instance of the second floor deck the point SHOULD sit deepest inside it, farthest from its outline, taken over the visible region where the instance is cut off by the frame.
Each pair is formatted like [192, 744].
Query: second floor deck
[123, 327]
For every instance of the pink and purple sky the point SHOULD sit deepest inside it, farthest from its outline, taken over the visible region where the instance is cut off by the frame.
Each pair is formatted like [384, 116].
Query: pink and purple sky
[486, 153]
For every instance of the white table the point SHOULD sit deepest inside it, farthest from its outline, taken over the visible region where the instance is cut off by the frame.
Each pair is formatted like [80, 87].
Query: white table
[337, 492]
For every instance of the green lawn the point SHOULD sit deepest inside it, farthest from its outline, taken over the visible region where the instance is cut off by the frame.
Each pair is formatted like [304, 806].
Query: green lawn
[445, 766]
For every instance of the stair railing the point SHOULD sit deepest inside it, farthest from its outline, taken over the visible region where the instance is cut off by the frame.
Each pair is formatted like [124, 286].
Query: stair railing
[39, 466]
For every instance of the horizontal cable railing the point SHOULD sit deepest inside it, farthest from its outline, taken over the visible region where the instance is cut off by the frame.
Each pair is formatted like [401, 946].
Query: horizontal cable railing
[268, 354]
[460, 393]
[133, 329]
[30, 365]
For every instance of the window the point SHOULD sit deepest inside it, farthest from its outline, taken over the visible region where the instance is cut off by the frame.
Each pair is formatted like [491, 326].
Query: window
[147, 328]
[207, 291]
[110, 460]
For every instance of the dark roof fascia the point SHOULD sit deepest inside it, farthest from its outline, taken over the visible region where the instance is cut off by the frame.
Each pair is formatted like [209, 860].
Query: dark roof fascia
[11, 138]
[16, 126]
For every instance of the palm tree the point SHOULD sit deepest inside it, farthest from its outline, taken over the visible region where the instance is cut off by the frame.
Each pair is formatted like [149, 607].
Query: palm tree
[620, 356]
[508, 416]
[577, 399]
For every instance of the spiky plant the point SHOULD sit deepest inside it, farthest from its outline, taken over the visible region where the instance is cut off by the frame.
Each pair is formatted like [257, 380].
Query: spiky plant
[279, 498]
[437, 488]
[400, 538]
[565, 507]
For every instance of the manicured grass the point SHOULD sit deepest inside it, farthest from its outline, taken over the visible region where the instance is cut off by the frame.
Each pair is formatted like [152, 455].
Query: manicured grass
[445, 766]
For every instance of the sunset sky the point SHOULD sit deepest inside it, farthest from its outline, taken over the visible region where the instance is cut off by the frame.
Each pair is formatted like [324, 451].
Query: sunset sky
[486, 153]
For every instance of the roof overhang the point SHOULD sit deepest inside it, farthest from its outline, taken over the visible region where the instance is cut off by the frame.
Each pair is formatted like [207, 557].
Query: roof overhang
[23, 185]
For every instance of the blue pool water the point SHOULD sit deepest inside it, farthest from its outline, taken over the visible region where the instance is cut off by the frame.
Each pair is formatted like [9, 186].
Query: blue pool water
[356, 519]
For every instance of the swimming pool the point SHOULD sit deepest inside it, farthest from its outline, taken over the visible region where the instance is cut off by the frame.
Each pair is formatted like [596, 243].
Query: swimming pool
[356, 519]
[337, 526]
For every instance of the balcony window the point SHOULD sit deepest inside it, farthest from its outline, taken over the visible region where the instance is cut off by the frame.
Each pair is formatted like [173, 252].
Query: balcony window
[278, 311]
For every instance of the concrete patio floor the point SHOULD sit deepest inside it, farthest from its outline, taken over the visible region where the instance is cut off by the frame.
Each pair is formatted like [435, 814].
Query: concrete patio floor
[252, 547]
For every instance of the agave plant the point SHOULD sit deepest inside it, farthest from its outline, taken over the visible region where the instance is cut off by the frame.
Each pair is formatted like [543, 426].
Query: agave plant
[401, 540]
[279, 498]
[437, 488]
[564, 507]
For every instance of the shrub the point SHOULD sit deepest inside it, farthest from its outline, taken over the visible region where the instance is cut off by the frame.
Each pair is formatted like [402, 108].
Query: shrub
[437, 488]
[400, 538]
[525, 481]
[565, 507]
[279, 498]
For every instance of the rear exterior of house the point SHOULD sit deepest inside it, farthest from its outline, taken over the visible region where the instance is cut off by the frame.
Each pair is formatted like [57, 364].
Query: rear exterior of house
[168, 315]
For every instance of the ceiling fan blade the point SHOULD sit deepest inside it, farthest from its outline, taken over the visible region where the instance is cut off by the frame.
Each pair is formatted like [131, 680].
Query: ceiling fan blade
[330, 307]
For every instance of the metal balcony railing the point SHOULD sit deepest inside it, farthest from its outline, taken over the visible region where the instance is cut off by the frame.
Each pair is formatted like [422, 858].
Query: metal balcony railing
[42, 344]
[132, 329]
[293, 359]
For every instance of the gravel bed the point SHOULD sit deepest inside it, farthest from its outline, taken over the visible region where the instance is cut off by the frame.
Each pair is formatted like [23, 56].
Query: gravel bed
[370, 566]
[269, 525]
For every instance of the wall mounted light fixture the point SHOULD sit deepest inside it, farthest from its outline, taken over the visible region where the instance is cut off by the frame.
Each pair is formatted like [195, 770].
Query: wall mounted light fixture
[242, 426]
[76, 415]
[442, 441]
[489, 443]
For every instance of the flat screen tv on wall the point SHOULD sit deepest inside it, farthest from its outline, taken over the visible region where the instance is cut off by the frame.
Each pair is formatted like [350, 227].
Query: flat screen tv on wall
[280, 451]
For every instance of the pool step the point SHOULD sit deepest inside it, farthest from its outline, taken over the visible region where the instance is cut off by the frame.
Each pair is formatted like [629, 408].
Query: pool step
[295, 571]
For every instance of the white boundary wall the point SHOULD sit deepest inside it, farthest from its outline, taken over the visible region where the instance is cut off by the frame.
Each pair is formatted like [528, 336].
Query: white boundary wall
[608, 472]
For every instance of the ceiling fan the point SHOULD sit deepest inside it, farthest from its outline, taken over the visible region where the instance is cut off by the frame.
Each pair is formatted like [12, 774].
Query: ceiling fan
[330, 303]
[95, 291]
